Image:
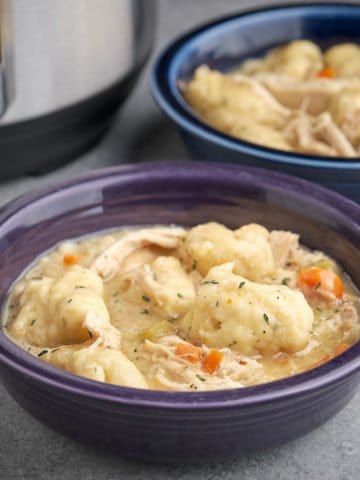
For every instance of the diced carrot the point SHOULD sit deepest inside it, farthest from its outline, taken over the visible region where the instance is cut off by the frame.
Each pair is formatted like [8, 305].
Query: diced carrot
[326, 72]
[318, 278]
[212, 361]
[188, 352]
[320, 362]
[70, 259]
[341, 348]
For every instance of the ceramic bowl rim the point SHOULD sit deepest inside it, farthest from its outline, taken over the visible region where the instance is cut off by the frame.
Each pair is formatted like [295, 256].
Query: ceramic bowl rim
[168, 98]
[339, 368]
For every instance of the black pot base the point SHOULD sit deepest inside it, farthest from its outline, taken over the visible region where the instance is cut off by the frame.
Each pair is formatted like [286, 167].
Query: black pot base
[44, 143]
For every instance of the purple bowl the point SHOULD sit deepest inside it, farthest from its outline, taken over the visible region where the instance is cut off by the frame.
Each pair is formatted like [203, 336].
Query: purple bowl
[168, 426]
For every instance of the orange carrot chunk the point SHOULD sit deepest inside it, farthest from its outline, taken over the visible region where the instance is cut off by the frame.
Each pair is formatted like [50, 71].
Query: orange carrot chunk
[341, 349]
[317, 278]
[188, 352]
[326, 72]
[212, 361]
[70, 259]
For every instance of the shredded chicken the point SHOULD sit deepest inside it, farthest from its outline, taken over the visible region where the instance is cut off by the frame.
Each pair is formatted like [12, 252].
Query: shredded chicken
[333, 135]
[108, 264]
[296, 98]
[172, 372]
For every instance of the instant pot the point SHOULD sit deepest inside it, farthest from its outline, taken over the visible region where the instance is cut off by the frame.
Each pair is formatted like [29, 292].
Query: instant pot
[66, 65]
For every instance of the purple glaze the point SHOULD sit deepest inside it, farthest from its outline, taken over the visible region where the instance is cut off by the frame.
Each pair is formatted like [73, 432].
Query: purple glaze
[168, 426]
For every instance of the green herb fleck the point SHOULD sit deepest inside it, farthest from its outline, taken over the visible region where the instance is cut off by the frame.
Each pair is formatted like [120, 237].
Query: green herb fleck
[210, 282]
[70, 300]
[55, 350]
[201, 378]
[145, 311]
[317, 286]
[266, 318]
[285, 281]
[180, 295]
[318, 309]
[193, 386]
[241, 284]
[234, 342]
[37, 277]
[32, 322]
[43, 352]
[79, 286]
[146, 298]
[217, 303]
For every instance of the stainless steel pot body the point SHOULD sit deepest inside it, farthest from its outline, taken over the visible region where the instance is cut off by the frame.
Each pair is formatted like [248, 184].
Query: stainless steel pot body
[59, 52]
[62, 54]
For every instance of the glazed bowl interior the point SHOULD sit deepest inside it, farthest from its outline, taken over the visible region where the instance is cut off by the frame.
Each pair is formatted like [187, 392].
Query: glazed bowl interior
[183, 194]
[225, 43]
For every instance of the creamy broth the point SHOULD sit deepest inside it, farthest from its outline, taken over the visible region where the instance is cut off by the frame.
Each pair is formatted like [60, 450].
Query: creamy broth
[184, 309]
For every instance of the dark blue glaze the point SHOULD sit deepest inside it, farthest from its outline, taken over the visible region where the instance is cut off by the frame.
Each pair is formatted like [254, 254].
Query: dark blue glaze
[223, 45]
[168, 426]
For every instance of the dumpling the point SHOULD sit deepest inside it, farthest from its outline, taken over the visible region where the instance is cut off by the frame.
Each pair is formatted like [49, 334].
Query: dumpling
[298, 59]
[210, 92]
[345, 110]
[108, 264]
[250, 317]
[213, 244]
[344, 59]
[97, 363]
[169, 291]
[68, 310]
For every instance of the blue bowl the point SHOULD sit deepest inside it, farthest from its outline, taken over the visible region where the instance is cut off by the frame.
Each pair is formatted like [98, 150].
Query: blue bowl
[224, 44]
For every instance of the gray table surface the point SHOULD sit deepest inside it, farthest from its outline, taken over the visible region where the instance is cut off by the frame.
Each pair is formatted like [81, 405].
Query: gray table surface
[31, 451]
